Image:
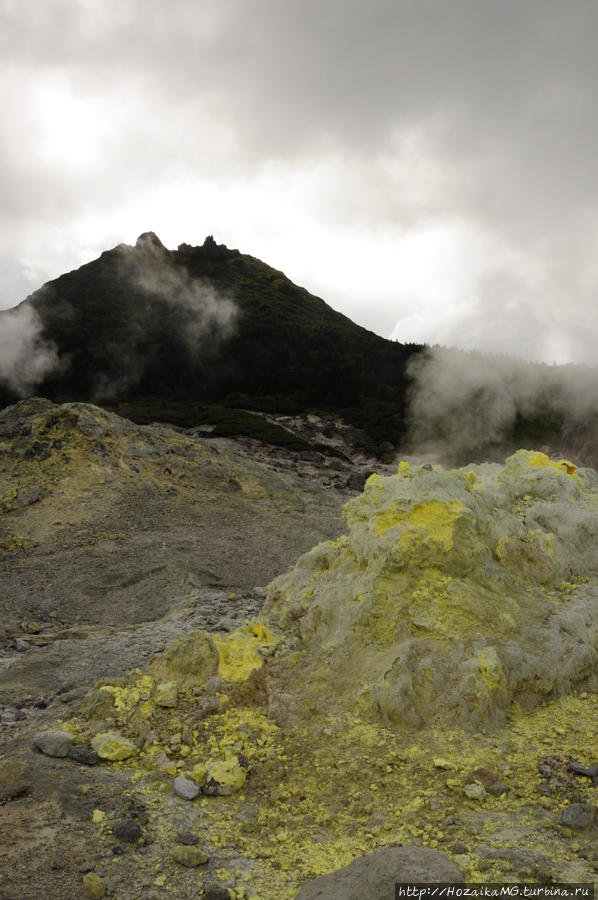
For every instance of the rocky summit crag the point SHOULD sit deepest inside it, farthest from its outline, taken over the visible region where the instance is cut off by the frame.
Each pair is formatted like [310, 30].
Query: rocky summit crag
[414, 698]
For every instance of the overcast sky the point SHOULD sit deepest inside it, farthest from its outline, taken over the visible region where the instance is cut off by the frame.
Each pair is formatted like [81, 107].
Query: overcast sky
[430, 168]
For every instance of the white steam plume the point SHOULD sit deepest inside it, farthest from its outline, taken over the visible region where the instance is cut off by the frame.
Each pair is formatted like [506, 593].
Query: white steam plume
[465, 402]
[25, 357]
[209, 313]
[203, 317]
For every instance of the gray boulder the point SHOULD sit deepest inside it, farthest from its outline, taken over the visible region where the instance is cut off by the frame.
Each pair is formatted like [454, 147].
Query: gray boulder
[578, 815]
[53, 743]
[374, 875]
[185, 788]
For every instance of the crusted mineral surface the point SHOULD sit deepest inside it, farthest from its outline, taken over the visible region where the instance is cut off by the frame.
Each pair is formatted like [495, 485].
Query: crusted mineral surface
[429, 679]
[454, 596]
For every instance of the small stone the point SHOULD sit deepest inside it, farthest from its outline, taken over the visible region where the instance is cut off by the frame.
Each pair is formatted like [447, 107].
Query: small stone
[189, 856]
[475, 790]
[578, 816]
[7, 717]
[586, 771]
[185, 788]
[84, 755]
[127, 831]
[356, 481]
[166, 694]
[58, 863]
[544, 788]
[113, 746]
[187, 735]
[215, 892]
[93, 886]
[187, 837]
[224, 777]
[214, 685]
[43, 702]
[53, 743]
[459, 849]
[492, 782]
[21, 646]
[32, 627]
[20, 715]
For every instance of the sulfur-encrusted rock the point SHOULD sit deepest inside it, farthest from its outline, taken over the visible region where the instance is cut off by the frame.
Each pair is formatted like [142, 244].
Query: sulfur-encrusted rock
[453, 594]
[188, 855]
[374, 876]
[224, 777]
[113, 746]
[188, 661]
[166, 694]
[240, 652]
[93, 886]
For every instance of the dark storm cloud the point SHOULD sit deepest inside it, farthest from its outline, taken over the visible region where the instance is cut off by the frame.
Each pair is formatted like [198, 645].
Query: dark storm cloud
[480, 112]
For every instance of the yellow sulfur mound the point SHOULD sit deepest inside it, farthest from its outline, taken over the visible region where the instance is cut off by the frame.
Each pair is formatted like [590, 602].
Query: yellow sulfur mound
[436, 666]
[445, 600]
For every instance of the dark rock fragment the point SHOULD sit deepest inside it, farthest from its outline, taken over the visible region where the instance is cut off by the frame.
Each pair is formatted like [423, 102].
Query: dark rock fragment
[578, 816]
[84, 755]
[127, 831]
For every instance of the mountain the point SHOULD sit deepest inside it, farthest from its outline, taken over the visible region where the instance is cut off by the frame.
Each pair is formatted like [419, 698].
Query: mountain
[162, 331]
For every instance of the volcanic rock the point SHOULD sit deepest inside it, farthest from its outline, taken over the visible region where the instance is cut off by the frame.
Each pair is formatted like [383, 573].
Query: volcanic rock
[374, 876]
[53, 743]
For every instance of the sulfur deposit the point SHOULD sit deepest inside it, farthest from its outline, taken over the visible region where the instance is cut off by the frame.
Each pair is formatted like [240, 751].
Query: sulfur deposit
[428, 680]
[453, 597]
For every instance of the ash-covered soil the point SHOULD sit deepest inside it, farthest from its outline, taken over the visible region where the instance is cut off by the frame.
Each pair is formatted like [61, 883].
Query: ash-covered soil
[114, 540]
[169, 728]
[106, 522]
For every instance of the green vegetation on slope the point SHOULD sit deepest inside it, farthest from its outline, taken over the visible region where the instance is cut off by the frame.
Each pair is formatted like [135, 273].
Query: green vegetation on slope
[147, 322]
[226, 422]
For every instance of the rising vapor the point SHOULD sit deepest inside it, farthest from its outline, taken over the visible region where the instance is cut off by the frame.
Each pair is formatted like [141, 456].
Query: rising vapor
[199, 317]
[26, 358]
[466, 403]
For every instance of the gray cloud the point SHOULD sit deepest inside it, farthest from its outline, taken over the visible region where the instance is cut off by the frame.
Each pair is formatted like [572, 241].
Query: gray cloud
[461, 112]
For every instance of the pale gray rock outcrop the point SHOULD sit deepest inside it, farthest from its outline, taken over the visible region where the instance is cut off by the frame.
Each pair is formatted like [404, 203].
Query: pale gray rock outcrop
[53, 743]
[374, 876]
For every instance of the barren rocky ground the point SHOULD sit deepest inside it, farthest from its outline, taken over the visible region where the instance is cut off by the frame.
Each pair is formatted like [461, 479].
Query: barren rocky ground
[115, 539]
[170, 727]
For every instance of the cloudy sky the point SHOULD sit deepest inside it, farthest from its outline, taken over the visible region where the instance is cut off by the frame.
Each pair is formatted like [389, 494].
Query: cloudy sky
[429, 167]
